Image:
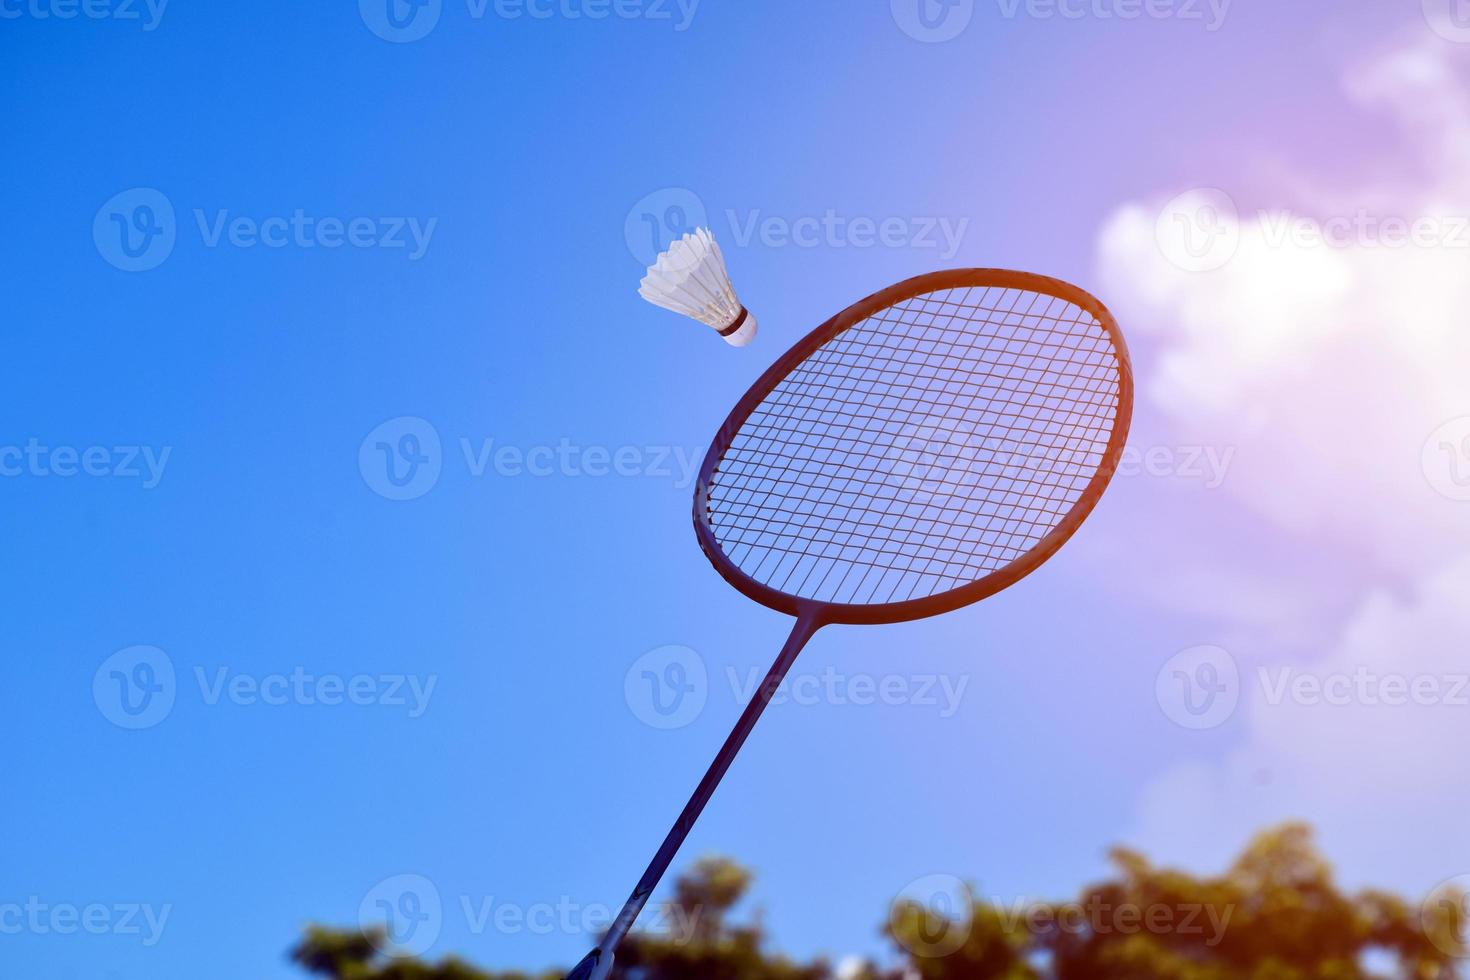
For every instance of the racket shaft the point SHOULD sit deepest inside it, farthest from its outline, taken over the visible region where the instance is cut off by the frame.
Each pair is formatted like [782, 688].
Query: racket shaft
[806, 626]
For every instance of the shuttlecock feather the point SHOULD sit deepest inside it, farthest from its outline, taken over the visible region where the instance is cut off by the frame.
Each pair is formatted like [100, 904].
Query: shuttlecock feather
[690, 278]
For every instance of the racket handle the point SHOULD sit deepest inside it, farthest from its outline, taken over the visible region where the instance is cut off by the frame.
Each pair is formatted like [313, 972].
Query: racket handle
[807, 624]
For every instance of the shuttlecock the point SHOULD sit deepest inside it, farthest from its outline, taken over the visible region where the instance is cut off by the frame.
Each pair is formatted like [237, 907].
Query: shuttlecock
[690, 278]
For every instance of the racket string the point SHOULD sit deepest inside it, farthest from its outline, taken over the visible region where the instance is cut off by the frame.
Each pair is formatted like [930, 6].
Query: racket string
[926, 567]
[921, 449]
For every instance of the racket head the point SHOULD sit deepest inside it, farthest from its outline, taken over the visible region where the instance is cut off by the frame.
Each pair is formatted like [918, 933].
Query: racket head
[819, 437]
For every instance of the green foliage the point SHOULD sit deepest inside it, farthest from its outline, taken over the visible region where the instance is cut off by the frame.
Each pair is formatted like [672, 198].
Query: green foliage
[991, 943]
[349, 955]
[1275, 914]
[697, 939]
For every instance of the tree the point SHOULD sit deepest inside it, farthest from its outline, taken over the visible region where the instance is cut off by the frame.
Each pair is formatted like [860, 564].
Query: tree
[699, 940]
[990, 943]
[352, 955]
[1275, 914]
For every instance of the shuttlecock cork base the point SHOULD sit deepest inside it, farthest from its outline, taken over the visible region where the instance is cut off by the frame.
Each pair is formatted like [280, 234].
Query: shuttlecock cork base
[690, 278]
[742, 331]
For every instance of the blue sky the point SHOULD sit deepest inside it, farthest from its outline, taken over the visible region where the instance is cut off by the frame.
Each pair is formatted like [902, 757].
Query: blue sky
[230, 519]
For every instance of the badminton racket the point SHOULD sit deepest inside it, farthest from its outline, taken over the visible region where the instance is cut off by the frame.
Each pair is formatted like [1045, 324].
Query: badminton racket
[926, 448]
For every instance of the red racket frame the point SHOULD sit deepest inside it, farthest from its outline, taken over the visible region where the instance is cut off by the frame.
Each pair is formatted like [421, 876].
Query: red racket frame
[825, 613]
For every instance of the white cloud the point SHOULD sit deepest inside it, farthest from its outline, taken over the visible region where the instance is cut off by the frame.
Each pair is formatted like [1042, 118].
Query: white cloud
[1325, 366]
[1382, 779]
[1328, 366]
